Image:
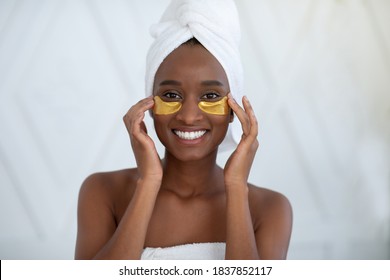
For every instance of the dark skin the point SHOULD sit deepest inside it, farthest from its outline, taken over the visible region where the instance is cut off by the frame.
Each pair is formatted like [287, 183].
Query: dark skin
[185, 197]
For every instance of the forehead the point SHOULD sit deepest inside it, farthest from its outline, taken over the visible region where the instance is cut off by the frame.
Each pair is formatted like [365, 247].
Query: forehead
[191, 62]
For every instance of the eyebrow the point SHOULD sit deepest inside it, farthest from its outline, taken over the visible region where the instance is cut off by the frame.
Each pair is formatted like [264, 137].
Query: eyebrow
[203, 83]
[212, 83]
[170, 83]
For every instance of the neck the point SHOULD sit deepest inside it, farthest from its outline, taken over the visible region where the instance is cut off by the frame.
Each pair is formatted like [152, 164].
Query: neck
[192, 178]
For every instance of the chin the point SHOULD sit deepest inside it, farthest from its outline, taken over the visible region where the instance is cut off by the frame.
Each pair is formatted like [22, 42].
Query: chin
[188, 154]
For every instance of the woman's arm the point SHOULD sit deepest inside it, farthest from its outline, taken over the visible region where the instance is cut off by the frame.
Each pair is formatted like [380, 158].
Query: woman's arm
[98, 235]
[268, 236]
[240, 238]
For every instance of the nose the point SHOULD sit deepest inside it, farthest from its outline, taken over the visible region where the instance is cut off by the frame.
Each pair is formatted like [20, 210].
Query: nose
[189, 112]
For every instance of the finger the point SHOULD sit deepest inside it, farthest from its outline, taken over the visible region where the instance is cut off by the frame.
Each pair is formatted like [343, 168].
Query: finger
[143, 127]
[140, 107]
[254, 127]
[135, 116]
[240, 113]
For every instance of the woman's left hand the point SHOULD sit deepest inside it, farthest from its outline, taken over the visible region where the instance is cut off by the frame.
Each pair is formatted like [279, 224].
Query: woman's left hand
[238, 166]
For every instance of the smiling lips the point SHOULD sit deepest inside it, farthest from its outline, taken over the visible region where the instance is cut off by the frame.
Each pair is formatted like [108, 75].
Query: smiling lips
[189, 135]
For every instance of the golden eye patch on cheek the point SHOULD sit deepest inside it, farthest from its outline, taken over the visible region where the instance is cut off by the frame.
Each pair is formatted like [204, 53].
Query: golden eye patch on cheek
[165, 108]
[220, 107]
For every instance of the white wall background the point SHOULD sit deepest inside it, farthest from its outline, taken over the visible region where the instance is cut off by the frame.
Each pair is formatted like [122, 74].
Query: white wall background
[318, 73]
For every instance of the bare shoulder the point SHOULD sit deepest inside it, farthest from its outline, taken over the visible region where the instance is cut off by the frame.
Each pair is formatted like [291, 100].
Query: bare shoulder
[265, 202]
[272, 217]
[109, 184]
[102, 197]
[106, 194]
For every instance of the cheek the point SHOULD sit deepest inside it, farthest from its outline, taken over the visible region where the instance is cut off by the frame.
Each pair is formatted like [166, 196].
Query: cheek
[221, 124]
[160, 126]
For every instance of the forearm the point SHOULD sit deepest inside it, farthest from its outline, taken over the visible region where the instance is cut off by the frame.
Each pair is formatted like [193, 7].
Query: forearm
[128, 240]
[240, 238]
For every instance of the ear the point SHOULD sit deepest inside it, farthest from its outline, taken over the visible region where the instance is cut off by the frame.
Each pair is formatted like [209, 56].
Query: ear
[151, 113]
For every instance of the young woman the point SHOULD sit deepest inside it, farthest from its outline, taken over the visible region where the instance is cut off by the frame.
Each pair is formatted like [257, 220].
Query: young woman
[185, 205]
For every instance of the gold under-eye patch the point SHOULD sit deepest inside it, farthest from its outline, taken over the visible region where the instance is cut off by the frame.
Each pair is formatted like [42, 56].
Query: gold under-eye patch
[220, 107]
[165, 108]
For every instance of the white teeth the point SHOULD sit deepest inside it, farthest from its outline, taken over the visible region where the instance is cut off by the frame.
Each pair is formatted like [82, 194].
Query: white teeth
[190, 135]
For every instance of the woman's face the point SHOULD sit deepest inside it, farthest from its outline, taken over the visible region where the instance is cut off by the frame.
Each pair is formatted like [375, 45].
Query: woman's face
[191, 74]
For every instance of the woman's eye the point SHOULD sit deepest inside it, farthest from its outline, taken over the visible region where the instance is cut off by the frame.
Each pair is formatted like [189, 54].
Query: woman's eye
[210, 95]
[171, 95]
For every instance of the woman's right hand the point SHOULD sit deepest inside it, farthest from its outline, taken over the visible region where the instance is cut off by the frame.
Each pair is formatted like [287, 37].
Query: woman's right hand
[147, 158]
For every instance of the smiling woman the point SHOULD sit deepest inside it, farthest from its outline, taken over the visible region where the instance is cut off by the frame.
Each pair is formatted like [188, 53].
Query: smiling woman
[185, 206]
[198, 78]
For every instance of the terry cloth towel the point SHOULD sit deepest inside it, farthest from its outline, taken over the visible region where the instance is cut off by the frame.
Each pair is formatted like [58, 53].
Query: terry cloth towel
[215, 24]
[195, 251]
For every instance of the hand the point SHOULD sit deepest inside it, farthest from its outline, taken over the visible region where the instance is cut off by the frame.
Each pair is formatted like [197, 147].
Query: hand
[238, 166]
[148, 161]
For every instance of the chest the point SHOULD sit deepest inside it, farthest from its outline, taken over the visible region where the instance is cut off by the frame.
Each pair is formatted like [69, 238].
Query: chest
[180, 221]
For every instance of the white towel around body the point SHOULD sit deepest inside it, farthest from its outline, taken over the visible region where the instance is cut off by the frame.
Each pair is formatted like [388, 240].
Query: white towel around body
[194, 251]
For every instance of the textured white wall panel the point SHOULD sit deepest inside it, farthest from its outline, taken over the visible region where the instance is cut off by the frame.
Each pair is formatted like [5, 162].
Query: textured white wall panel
[317, 73]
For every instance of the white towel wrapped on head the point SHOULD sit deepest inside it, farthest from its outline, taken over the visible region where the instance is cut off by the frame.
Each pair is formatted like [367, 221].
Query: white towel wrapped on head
[215, 24]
